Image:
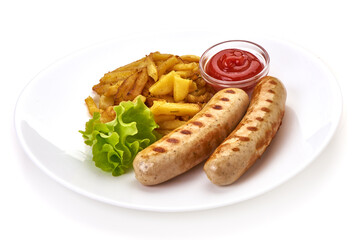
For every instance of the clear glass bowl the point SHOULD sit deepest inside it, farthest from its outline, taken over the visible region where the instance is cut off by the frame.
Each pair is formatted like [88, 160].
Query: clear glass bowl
[245, 84]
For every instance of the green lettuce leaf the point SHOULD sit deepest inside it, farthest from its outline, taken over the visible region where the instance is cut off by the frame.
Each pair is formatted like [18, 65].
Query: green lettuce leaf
[115, 144]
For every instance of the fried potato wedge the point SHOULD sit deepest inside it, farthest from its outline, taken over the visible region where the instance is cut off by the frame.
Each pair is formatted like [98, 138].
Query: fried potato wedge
[190, 58]
[166, 65]
[138, 85]
[125, 87]
[171, 124]
[91, 105]
[180, 88]
[177, 109]
[151, 68]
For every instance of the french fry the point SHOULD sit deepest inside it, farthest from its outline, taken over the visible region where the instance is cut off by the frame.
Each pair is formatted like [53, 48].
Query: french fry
[199, 91]
[162, 118]
[125, 87]
[166, 65]
[157, 56]
[146, 91]
[143, 98]
[133, 65]
[91, 105]
[163, 132]
[151, 99]
[105, 102]
[112, 77]
[190, 58]
[112, 90]
[171, 124]
[138, 85]
[192, 87]
[200, 82]
[177, 109]
[180, 88]
[100, 88]
[151, 68]
[164, 85]
[199, 99]
[185, 66]
[108, 115]
[185, 73]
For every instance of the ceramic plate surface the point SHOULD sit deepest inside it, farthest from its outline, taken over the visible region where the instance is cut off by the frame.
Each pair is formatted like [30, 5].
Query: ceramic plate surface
[51, 110]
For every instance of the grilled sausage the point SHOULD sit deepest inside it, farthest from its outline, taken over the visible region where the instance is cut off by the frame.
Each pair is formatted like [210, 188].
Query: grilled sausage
[194, 142]
[251, 137]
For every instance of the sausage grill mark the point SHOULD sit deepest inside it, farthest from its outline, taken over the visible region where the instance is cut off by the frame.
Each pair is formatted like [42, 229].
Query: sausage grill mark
[259, 119]
[264, 109]
[273, 82]
[244, 139]
[271, 91]
[159, 149]
[208, 115]
[217, 107]
[268, 100]
[224, 99]
[252, 128]
[197, 123]
[186, 132]
[172, 140]
[230, 91]
[235, 149]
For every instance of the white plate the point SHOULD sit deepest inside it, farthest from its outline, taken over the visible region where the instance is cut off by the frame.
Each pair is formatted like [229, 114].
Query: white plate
[51, 110]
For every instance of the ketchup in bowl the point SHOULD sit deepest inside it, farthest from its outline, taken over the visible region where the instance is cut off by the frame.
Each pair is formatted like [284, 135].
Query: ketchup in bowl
[235, 63]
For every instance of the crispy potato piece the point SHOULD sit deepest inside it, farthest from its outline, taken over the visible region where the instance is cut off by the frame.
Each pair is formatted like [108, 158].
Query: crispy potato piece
[157, 56]
[162, 118]
[133, 66]
[164, 85]
[146, 91]
[167, 98]
[199, 91]
[143, 98]
[100, 88]
[163, 132]
[125, 87]
[200, 82]
[151, 99]
[185, 73]
[91, 105]
[190, 58]
[184, 118]
[112, 90]
[171, 124]
[112, 77]
[167, 65]
[177, 109]
[185, 66]
[180, 88]
[138, 85]
[108, 115]
[192, 87]
[199, 99]
[105, 102]
[151, 68]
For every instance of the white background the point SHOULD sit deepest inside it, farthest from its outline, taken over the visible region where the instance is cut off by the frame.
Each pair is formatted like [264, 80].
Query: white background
[319, 203]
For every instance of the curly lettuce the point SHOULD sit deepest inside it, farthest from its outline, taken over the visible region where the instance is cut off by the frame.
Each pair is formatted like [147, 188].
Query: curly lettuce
[115, 144]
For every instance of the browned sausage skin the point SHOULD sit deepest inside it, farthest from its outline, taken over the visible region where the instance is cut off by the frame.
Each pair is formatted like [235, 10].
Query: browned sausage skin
[192, 143]
[252, 135]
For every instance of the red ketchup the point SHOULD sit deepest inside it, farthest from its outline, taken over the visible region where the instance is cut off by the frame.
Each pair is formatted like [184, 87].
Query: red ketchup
[233, 65]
